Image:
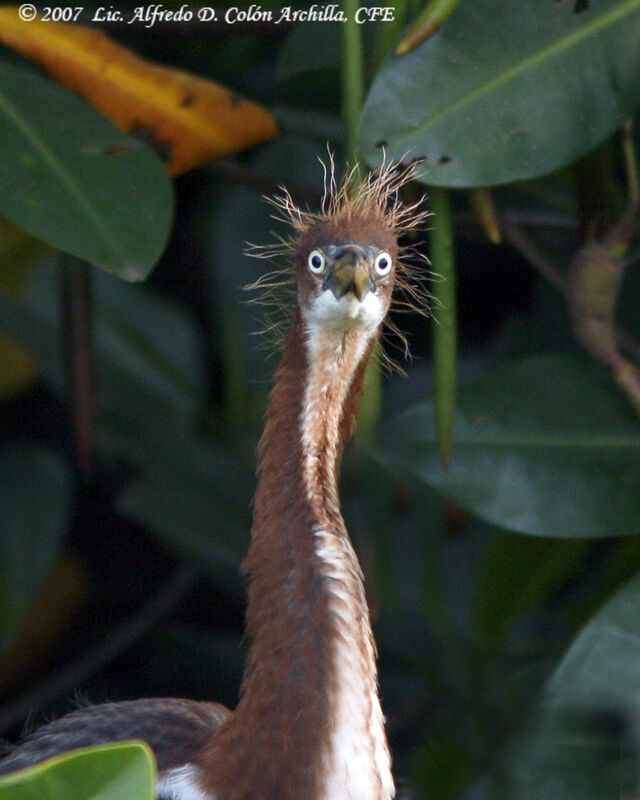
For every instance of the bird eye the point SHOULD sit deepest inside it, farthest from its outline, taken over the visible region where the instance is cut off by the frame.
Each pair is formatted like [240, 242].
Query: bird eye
[316, 262]
[382, 264]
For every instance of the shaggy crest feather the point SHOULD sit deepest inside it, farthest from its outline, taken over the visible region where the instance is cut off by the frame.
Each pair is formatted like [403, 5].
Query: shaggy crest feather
[377, 197]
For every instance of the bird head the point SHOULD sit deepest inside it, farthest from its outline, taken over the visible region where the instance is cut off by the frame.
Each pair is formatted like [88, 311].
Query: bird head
[347, 256]
[345, 271]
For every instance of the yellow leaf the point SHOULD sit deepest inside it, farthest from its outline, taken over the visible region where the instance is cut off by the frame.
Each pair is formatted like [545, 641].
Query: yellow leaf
[192, 119]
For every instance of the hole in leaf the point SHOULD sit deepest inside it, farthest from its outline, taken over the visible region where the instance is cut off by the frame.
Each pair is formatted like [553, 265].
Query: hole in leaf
[117, 150]
[444, 160]
[146, 135]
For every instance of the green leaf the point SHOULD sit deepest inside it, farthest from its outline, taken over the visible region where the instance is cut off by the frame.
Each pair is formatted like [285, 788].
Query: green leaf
[601, 665]
[544, 446]
[35, 498]
[197, 499]
[527, 571]
[109, 772]
[582, 741]
[301, 53]
[507, 91]
[75, 181]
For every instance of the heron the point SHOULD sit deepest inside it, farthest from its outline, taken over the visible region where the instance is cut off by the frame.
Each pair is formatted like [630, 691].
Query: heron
[308, 724]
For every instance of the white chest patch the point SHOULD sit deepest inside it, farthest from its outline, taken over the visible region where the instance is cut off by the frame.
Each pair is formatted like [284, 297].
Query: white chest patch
[359, 765]
[181, 784]
[345, 313]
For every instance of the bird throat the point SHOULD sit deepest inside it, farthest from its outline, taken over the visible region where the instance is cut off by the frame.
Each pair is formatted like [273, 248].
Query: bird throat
[309, 723]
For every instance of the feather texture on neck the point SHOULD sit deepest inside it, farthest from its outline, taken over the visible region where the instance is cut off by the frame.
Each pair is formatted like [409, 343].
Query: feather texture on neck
[308, 724]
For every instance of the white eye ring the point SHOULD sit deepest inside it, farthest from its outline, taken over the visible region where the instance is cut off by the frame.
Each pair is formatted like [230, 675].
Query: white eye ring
[316, 262]
[383, 263]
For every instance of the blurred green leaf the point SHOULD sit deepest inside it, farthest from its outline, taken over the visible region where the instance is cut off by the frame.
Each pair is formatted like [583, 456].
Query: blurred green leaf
[544, 446]
[109, 772]
[35, 511]
[309, 46]
[583, 739]
[442, 768]
[75, 181]
[507, 91]
[527, 571]
[197, 499]
[601, 665]
[150, 394]
[249, 359]
[146, 346]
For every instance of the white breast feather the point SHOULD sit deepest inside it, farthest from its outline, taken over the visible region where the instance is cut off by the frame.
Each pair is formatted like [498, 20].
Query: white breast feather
[354, 768]
[327, 311]
[181, 783]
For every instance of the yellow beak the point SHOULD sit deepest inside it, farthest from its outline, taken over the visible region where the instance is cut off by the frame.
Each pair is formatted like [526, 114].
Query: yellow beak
[350, 273]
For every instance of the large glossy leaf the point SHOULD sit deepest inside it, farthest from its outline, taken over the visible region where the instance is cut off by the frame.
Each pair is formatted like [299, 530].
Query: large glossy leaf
[72, 179]
[544, 446]
[109, 772]
[35, 508]
[507, 90]
[583, 740]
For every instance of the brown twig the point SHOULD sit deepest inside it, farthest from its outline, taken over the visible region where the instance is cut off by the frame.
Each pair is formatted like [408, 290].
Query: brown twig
[514, 234]
[630, 164]
[77, 314]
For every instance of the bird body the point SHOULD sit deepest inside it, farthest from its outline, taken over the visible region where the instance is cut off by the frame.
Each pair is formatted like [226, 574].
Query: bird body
[308, 725]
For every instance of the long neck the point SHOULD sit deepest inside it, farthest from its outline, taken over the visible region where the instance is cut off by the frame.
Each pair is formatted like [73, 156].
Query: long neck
[308, 724]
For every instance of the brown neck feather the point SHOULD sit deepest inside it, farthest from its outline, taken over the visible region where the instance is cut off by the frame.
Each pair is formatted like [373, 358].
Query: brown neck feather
[276, 744]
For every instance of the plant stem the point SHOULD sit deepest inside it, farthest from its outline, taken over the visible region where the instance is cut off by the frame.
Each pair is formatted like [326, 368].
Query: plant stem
[630, 164]
[481, 201]
[77, 314]
[429, 21]
[352, 79]
[516, 236]
[353, 87]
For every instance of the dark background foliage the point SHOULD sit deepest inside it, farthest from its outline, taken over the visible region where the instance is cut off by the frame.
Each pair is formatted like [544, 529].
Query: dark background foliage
[504, 587]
